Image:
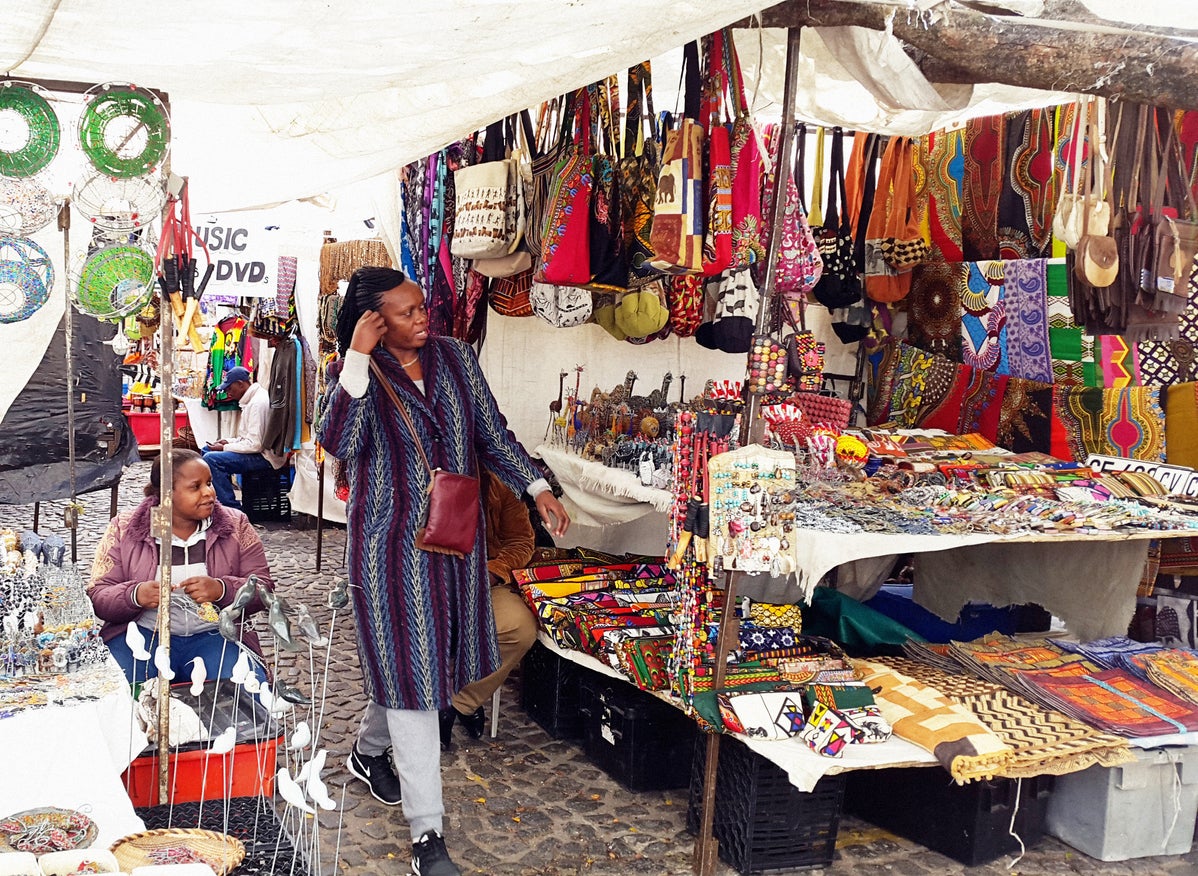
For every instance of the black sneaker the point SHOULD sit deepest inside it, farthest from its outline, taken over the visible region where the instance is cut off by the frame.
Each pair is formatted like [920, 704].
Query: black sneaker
[376, 771]
[429, 857]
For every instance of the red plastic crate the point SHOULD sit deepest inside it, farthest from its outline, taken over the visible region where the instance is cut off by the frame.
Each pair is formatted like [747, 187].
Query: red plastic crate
[146, 425]
[246, 771]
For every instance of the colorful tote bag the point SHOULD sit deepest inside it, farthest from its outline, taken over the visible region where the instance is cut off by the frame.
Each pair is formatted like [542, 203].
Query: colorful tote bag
[747, 169]
[799, 264]
[717, 241]
[639, 168]
[677, 235]
[565, 234]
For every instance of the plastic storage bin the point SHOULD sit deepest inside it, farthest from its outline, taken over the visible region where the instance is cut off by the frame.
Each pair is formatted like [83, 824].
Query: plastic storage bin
[246, 771]
[550, 692]
[762, 821]
[968, 823]
[1131, 811]
[642, 742]
[264, 494]
[146, 425]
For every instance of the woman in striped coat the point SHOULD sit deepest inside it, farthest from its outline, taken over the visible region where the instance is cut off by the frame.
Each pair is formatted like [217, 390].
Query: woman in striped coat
[424, 620]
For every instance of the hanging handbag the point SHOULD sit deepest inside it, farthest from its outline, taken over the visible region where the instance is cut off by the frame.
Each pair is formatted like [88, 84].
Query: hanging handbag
[1096, 261]
[565, 234]
[561, 306]
[747, 169]
[609, 258]
[903, 246]
[684, 297]
[639, 168]
[545, 146]
[882, 282]
[717, 240]
[677, 235]
[509, 296]
[838, 286]
[804, 355]
[1068, 220]
[453, 502]
[799, 265]
[488, 202]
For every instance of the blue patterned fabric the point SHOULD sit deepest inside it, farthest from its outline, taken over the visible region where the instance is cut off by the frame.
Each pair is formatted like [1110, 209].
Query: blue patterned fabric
[425, 628]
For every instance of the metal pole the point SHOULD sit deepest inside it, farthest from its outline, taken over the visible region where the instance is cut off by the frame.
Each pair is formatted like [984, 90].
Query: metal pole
[706, 847]
[319, 506]
[162, 524]
[71, 516]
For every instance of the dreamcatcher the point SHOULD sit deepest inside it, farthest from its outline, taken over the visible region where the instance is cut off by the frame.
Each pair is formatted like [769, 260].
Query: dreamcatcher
[124, 130]
[26, 278]
[29, 130]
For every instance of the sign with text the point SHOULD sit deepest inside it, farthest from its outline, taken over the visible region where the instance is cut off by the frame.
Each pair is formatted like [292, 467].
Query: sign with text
[245, 256]
[1178, 480]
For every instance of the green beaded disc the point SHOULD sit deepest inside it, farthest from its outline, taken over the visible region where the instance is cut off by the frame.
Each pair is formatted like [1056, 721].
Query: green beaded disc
[124, 131]
[41, 133]
[115, 281]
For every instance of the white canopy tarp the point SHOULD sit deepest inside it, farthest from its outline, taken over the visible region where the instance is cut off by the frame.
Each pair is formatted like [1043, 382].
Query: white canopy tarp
[283, 99]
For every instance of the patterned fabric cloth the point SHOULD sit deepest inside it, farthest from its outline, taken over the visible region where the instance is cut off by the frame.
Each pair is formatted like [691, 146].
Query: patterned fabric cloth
[934, 308]
[1120, 362]
[1026, 294]
[1173, 362]
[1072, 350]
[910, 377]
[1028, 202]
[925, 717]
[882, 386]
[939, 170]
[1025, 420]
[1117, 702]
[1181, 424]
[984, 317]
[1112, 422]
[982, 185]
[1042, 741]
[946, 412]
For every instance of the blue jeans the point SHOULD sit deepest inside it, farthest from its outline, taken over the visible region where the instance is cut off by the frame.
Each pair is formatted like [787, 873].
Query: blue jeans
[224, 464]
[219, 656]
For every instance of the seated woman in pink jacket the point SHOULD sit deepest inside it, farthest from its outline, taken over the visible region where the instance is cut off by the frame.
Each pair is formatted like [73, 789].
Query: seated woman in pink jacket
[214, 550]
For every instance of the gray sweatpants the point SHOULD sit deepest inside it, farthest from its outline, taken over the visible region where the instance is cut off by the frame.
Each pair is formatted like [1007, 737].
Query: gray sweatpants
[414, 738]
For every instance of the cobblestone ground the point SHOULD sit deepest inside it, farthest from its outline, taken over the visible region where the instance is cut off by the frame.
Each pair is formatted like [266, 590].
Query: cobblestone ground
[521, 804]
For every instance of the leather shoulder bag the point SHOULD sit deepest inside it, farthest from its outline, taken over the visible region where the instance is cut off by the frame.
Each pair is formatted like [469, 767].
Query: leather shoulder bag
[449, 519]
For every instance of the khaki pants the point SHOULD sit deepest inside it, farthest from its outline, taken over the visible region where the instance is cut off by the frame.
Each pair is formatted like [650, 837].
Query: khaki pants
[517, 631]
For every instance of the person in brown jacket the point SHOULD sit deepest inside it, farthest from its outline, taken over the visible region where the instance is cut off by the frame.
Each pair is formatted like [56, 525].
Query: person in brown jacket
[510, 543]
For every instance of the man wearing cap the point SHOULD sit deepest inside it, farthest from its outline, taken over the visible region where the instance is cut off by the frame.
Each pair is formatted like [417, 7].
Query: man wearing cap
[246, 452]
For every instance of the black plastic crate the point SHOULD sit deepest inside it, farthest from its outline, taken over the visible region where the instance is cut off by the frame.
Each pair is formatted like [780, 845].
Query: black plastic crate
[642, 742]
[550, 692]
[763, 822]
[268, 848]
[968, 823]
[264, 494]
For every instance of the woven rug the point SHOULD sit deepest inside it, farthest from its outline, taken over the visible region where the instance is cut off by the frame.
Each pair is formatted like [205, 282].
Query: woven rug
[1042, 741]
[1117, 702]
[1173, 670]
[925, 717]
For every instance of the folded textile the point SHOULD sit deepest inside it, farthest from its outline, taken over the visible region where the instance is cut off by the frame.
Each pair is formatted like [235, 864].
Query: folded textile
[1173, 670]
[826, 731]
[1043, 741]
[925, 717]
[1117, 702]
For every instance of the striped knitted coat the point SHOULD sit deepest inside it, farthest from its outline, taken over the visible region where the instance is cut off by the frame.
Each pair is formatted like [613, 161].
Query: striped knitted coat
[425, 627]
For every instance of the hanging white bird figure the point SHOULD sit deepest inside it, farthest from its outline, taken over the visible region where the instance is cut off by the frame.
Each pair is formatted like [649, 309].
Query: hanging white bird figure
[136, 641]
[300, 737]
[252, 684]
[224, 743]
[315, 786]
[199, 674]
[241, 669]
[291, 793]
[162, 661]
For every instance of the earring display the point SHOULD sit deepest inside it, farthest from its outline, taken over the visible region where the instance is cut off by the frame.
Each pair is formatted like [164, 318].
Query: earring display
[753, 492]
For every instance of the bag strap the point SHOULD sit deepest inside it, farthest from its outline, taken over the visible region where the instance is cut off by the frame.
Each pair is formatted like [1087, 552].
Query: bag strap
[403, 412]
[836, 216]
[800, 166]
[1185, 179]
[816, 215]
[692, 84]
[640, 102]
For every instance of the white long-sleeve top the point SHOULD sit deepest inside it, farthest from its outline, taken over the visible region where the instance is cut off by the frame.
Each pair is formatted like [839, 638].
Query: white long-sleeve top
[255, 408]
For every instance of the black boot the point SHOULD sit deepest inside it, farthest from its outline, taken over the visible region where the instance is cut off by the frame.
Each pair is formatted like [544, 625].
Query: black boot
[475, 722]
[446, 717]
